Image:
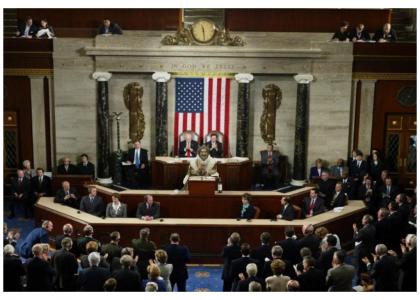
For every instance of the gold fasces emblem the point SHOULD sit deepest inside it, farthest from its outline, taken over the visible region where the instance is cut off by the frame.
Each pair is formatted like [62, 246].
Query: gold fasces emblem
[133, 94]
[272, 100]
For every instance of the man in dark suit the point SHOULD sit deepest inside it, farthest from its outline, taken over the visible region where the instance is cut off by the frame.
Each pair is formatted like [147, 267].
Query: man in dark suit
[41, 184]
[67, 195]
[340, 276]
[367, 193]
[309, 239]
[382, 227]
[358, 168]
[313, 205]
[188, 147]
[65, 265]
[92, 203]
[21, 189]
[231, 252]
[178, 256]
[287, 212]
[112, 249]
[316, 171]
[251, 272]
[263, 252]
[359, 34]
[396, 226]
[127, 279]
[387, 192]
[13, 270]
[92, 279]
[342, 35]
[40, 274]
[216, 147]
[290, 246]
[148, 210]
[86, 238]
[277, 253]
[36, 236]
[27, 29]
[364, 239]
[324, 261]
[247, 209]
[109, 28]
[326, 188]
[85, 167]
[270, 166]
[386, 34]
[311, 279]
[339, 198]
[138, 166]
[239, 265]
[348, 186]
[67, 233]
[67, 168]
[408, 264]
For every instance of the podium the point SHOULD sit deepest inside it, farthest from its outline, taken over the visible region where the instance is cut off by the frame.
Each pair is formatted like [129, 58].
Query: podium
[202, 185]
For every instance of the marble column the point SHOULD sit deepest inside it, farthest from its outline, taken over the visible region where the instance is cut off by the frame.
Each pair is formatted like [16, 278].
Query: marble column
[103, 143]
[301, 130]
[161, 117]
[367, 99]
[242, 135]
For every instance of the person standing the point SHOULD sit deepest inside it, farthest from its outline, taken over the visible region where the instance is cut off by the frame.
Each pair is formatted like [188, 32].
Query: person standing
[178, 256]
[21, 189]
[36, 236]
[85, 167]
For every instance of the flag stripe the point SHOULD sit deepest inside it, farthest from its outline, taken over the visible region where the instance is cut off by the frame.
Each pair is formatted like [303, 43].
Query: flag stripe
[227, 114]
[210, 101]
[176, 127]
[213, 106]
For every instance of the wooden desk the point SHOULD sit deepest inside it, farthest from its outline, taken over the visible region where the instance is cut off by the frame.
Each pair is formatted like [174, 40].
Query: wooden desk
[168, 173]
[204, 237]
[180, 204]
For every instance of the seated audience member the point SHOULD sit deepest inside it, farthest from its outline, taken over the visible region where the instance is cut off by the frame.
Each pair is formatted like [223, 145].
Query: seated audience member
[340, 276]
[188, 147]
[21, 189]
[41, 184]
[10, 237]
[277, 282]
[239, 265]
[348, 186]
[93, 278]
[323, 233]
[311, 279]
[85, 167]
[137, 159]
[92, 246]
[251, 275]
[67, 168]
[178, 256]
[313, 205]
[36, 236]
[339, 169]
[154, 276]
[270, 166]
[290, 246]
[45, 31]
[387, 192]
[293, 286]
[342, 35]
[127, 279]
[109, 28]
[65, 265]
[359, 34]
[13, 270]
[367, 193]
[352, 158]
[27, 169]
[375, 167]
[116, 209]
[386, 34]
[27, 30]
[112, 249]
[277, 253]
[67, 233]
[358, 168]
[364, 239]
[384, 270]
[92, 203]
[39, 273]
[326, 188]
[316, 171]
[339, 198]
[247, 209]
[216, 147]
[148, 210]
[382, 178]
[288, 212]
[263, 252]
[254, 287]
[230, 252]
[67, 195]
[309, 239]
[110, 285]
[161, 258]
[328, 249]
[86, 238]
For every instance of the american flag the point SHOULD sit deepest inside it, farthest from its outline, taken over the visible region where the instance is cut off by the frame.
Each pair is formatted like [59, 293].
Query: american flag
[202, 105]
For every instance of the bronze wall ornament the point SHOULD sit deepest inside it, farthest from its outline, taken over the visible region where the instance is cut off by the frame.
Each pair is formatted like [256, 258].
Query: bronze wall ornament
[272, 100]
[133, 94]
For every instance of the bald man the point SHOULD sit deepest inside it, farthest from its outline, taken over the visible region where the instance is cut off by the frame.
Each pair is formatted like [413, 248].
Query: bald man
[67, 168]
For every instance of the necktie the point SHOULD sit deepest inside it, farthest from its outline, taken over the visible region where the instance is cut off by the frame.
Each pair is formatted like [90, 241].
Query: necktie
[137, 159]
[188, 149]
[20, 180]
[358, 164]
[311, 206]
[67, 168]
[388, 190]
[40, 180]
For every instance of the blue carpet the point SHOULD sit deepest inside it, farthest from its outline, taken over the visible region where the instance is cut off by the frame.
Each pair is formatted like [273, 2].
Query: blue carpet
[205, 279]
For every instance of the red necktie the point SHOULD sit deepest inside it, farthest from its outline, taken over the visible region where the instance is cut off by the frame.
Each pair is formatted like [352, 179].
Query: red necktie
[311, 206]
[188, 150]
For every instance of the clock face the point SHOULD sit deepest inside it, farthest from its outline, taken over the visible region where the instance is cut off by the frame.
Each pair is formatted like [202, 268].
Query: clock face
[203, 30]
[407, 96]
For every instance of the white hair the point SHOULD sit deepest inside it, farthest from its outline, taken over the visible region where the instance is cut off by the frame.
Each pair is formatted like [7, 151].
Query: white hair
[9, 249]
[94, 258]
[251, 269]
[151, 287]
[411, 240]
[254, 287]
[381, 249]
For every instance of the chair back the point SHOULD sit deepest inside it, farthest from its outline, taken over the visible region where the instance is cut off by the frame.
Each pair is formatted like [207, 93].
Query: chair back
[298, 212]
[257, 212]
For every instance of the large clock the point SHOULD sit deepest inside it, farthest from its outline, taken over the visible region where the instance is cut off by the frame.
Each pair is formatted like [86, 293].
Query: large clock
[203, 31]
[407, 96]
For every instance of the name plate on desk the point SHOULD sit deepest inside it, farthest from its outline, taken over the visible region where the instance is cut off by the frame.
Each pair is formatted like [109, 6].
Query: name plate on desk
[202, 185]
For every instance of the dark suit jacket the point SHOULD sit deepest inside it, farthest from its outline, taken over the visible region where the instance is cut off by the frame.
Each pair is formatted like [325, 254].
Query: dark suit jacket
[239, 266]
[12, 272]
[288, 212]
[311, 241]
[59, 198]
[229, 253]
[65, 265]
[362, 36]
[260, 254]
[366, 235]
[318, 208]
[178, 256]
[243, 285]
[390, 37]
[114, 28]
[32, 30]
[39, 275]
[312, 281]
[249, 212]
[19, 188]
[358, 172]
[314, 172]
[216, 153]
[288, 271]
[326, 190]
[81, 244]
[383, 195]
[364, 195]
[264, 163]
[408, 265]
[43, 187]
[95, 208]
[72, 170]
[382, 229]
[143, 157]
[339, 200]
[324, 261]
[153, 211]
[349, 188]
[290, 250]
[341, 36]
[395, 230]
[112, 250]
[127, 280]
[375, 171]
[92, 279]
[385, 274]
[182, 149]
[340, 279]
[89, 169]
[58, 240]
